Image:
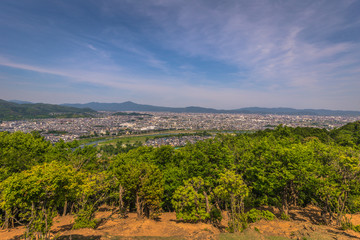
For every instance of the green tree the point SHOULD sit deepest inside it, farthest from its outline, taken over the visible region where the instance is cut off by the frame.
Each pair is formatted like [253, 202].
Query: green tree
[338, 179]
[279, 170]
[35, 194]
[139, 183]
[232, 190]
[20, 151]
[191, 201]
[93, 190]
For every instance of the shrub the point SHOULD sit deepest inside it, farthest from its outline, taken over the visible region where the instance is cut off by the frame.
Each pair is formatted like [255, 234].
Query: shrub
[215, 215]
[238, 222]
[285, 217]
[85, 218]
[255, 215]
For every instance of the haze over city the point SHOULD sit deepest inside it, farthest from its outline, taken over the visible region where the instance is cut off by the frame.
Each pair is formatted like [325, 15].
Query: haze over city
[220, 54]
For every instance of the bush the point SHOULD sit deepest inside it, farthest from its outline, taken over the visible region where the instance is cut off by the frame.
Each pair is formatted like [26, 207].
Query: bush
[285, 217]
[215, 215]
[238, 222]
[85, 218]
[189, 201]
[255, 215]
[347, 224]
[354, 204]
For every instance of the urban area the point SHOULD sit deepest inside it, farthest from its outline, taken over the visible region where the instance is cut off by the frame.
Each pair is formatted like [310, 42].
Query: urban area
[110, 124]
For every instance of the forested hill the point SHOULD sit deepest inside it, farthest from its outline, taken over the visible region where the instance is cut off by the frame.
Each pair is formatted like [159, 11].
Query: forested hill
[241, 174]
[347, 135]
[131, 106]
[14, 111]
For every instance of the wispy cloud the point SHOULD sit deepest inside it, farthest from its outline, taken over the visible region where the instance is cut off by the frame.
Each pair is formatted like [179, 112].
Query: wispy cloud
[301, 53]
[7, 63]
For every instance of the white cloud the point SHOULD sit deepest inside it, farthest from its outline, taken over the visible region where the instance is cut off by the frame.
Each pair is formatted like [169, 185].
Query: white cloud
[260, 37]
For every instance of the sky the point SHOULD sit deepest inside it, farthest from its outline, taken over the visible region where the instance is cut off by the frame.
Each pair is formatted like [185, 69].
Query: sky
[223, 54]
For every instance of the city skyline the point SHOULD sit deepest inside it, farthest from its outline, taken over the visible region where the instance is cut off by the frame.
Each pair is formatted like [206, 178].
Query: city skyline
[218, 54]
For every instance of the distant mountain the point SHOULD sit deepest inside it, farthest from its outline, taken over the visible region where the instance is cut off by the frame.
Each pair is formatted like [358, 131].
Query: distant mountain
[292, 111]
[15, 111]
[131, 106]
[20, 102]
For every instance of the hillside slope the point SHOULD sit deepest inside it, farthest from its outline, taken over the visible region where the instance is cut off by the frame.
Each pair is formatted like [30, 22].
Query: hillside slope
[304, 225]
[14, 111]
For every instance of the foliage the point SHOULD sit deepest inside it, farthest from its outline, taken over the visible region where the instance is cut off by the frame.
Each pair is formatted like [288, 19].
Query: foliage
[255, 215]
[215, 216]
[20, 151]
[85, 218]
[282, 167]
[92, 192]
[140, 183]
[232, 190]
[354, 203]
[238, 222]
[119, 147]
[338, 179]
[347, 135]
[347, 224]
[285, 217]
[36, 193]
[190, 201]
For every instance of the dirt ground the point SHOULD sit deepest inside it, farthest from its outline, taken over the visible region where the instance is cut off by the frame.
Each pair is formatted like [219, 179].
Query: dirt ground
[305, 224]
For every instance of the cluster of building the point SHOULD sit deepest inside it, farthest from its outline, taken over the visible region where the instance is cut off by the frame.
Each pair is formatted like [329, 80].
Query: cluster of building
[69, 129]
[175, 141]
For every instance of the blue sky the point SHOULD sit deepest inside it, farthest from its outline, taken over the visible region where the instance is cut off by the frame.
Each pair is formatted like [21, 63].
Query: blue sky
[223, 54]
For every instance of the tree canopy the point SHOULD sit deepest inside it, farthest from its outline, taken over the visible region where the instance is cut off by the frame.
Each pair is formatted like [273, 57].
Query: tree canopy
[283, 167]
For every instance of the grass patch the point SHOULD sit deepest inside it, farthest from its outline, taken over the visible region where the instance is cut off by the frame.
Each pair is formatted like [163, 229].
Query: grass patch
[143, 137]
[249, 234]
[147, 238]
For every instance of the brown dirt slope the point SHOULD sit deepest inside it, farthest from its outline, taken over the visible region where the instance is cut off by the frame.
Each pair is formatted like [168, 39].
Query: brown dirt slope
[305, 224]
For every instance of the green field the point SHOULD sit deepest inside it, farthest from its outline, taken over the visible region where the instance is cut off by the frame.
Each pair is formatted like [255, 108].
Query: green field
[104, 140]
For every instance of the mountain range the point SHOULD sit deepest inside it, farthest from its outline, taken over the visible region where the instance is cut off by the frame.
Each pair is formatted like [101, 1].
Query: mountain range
[26, 110]
[131, 106]
[16, 109]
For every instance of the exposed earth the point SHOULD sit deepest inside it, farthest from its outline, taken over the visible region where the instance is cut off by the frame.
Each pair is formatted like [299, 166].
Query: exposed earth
[305, 224]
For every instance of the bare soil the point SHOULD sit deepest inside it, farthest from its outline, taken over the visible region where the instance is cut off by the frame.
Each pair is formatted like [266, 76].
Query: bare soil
[305, 224]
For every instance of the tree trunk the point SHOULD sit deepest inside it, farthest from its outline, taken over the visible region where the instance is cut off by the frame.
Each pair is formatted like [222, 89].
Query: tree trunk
[139, 209]
[233, 212]
[326, 212]
[324, 218]
[72, 208]
[46, 221]
[285, 204]
[121, 200]
[29, 225]
[341, 207]
[207, 203]
[293, 194]
[147, 211]
[242, 206]
[284, 210]
[285, 207]
[65, 208]
[7, 220]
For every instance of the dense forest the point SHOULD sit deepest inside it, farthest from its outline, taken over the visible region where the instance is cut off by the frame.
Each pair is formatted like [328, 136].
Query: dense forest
[232, 173]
